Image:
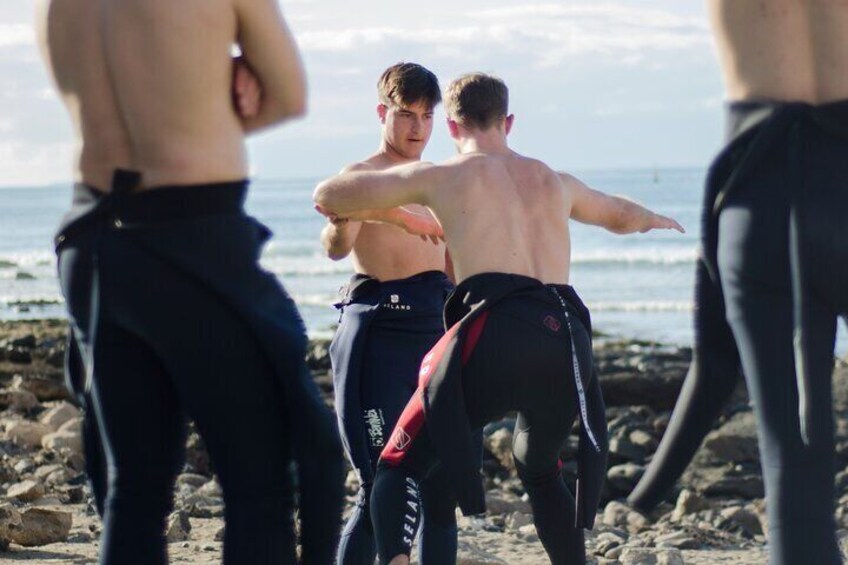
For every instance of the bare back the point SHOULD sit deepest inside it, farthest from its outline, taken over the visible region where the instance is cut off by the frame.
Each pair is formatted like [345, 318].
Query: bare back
[787, 50]
[504, 213]
[73, 49]
[172, 69]
[148, 82]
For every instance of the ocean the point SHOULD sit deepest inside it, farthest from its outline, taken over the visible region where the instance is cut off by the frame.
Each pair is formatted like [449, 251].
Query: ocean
[637, 286]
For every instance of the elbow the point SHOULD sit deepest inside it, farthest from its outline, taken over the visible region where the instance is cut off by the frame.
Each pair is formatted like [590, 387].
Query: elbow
[320, 196]
[295, 108]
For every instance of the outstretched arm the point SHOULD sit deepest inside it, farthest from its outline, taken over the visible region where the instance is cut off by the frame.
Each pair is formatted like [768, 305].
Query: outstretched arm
[615, 213]
[356, 191]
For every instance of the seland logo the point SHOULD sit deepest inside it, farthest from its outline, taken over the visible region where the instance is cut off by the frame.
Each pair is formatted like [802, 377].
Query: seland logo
[400, 439]
[394, 303]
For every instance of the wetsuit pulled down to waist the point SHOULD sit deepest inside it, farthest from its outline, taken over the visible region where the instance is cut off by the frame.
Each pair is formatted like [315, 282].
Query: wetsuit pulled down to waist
[173, 315]
[515, 344]
[385, 330]
[773, 275]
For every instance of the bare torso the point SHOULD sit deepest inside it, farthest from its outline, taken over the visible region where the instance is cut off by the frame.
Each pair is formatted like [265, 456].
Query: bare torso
[147, 85]
[387, 252]
[786, 50]
[504, 213]
[74, 51]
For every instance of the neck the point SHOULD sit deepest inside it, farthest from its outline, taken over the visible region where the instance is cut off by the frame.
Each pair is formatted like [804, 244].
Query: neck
[491, 141]
[391, 154]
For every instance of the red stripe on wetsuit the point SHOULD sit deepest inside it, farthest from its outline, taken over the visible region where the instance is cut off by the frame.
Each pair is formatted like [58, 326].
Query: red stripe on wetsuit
[412, 418]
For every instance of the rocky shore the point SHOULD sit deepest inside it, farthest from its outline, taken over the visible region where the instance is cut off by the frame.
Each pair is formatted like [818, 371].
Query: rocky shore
[715, 515]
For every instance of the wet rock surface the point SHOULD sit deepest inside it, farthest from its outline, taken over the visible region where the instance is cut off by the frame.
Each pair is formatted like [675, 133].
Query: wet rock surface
[715, 514]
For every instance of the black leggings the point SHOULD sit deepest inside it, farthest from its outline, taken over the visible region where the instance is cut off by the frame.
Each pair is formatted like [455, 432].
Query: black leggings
[516, 365]
[754, 268]
[161, 347]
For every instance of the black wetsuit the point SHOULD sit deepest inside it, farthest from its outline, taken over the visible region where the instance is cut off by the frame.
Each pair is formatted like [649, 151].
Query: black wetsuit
[174, 317]
[386, 329]
[776, 253]
[513, 344]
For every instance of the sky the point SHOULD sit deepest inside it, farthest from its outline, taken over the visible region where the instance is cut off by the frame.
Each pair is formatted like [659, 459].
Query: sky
[593, 84]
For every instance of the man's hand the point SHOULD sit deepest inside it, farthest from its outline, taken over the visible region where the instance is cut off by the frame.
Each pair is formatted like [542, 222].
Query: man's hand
[654, 221]
[423, 225]
[246, 90]
[333, 218]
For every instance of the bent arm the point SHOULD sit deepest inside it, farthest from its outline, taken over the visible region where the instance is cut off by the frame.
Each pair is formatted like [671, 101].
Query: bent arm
[338, 238]
[356, 191]
[615, 213]
[270, 50]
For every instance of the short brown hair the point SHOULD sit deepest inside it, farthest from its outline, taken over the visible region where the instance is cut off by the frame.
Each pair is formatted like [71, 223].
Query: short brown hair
[405, 84]
[477, 100]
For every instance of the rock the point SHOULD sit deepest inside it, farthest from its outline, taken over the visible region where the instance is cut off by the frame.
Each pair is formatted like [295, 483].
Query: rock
[517, 520]
[499, 502]
[742, 518]
[10, 519]
[17, 400]
[73, 425]
[688, 502]
[623, 449]
[42, 472]
[607, 541]
[745, 486]
[678, 539]
[197, 458]
[499, 444]
[43, 389]
[469, 554]
[622, 516]
[60, 414]
[624, 477]
[41, 526]
[57, 441]
[528, 532]
[27, 434]
[735, 441]
[19, 356]
[650, 556]
[192, 479]
[643, 440]
[318, 355]
[178, 527]
[24, 466]
[25, 491]
[25, 342]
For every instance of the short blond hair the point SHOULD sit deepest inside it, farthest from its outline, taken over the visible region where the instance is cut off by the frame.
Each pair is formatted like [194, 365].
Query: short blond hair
[477, 100]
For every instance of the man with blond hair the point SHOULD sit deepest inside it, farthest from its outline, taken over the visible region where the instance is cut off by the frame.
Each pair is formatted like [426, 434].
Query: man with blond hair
[519, 337]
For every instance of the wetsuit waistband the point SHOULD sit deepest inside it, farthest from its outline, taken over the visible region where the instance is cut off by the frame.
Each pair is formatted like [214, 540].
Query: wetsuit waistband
[482, 286]
[362, 285]
[747, 114]
[184, 202]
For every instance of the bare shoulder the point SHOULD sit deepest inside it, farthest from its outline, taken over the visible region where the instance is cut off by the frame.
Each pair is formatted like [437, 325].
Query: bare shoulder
[358, 166]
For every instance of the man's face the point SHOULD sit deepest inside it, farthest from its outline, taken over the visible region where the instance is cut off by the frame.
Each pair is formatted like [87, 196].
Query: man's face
[407, 129]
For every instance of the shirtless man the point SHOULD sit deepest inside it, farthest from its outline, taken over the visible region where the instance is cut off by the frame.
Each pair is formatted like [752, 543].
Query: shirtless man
[391, 317]
[774, 253]
[519, 337]
[168, 306]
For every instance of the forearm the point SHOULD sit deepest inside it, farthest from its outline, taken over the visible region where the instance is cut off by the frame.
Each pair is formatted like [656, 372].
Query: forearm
[338, 239]
[627, 216]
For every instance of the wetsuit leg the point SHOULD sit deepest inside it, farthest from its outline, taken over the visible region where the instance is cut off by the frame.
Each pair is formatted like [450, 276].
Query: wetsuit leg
[540, 431]
[754, 269]
[396, 498]
[438, 536]
[520, 364]
[161, 345]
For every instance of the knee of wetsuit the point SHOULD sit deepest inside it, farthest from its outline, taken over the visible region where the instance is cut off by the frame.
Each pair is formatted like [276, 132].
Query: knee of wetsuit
[530, 477]
[438, 506]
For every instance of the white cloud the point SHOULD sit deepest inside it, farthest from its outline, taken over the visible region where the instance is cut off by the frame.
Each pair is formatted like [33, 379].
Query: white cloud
[27, 164]
[16, 35]
[550, 34]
